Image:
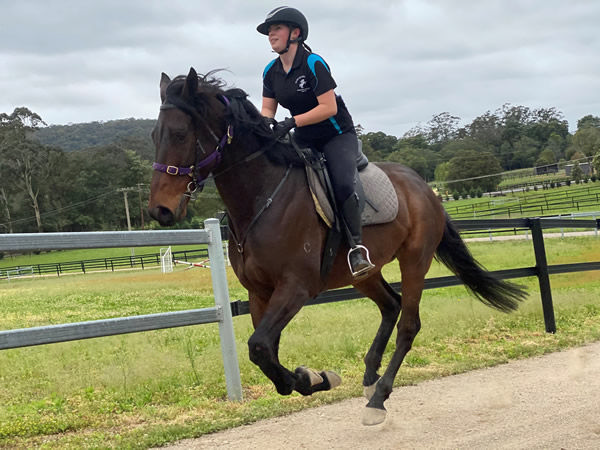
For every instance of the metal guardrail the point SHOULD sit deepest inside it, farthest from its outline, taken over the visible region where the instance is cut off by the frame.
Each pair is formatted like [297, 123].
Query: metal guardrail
[100, 239]
[221, 313]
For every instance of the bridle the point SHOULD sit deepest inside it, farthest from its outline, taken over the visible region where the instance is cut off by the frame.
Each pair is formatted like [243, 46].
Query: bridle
[202, 161]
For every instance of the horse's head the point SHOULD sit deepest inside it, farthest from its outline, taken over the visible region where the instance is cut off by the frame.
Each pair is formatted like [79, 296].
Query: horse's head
[189, 135]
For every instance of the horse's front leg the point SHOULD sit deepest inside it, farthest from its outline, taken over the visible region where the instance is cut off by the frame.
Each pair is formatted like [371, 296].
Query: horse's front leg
[389, 303]
[263, 345]
[408, 327]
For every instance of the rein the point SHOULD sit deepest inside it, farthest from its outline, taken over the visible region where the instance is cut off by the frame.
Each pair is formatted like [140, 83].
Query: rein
[240, 242]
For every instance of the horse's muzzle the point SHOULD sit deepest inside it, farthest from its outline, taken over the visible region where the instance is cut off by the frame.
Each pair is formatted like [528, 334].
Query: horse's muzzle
[163, 215]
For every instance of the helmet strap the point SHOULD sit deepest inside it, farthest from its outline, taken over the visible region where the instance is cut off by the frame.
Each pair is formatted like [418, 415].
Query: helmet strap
[290, 42]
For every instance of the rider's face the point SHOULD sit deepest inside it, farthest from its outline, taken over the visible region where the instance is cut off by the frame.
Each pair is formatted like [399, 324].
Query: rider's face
[279, 34]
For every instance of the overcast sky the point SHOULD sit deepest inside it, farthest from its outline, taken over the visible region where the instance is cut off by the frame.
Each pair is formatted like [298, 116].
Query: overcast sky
[397, 63]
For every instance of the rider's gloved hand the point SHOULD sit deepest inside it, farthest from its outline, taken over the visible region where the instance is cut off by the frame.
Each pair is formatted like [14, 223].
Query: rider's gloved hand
[270, 122]
[282, 128]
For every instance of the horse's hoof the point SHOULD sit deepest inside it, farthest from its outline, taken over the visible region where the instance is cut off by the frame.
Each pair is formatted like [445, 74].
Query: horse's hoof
[334, 379]
[373, 416]
[369, 391]
[313, 375]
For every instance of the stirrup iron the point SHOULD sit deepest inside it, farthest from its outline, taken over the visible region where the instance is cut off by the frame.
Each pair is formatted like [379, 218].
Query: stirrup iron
[364, 270]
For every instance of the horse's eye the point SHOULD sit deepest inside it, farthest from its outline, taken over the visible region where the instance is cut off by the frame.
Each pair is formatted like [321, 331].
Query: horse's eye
[180, 136]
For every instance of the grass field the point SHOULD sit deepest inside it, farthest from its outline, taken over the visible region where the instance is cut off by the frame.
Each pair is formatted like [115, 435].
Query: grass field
[578, 198]
[146, 389]
[61, 256]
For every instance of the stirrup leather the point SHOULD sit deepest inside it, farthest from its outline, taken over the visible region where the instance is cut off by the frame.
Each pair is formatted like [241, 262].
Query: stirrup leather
[364, 270]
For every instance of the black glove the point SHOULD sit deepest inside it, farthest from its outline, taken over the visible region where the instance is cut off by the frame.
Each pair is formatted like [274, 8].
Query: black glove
[270, 122]
[282, 128]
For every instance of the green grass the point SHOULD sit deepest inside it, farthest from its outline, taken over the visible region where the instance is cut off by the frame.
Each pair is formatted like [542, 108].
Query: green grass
[510, 181]
[146, 389]
[551, 201]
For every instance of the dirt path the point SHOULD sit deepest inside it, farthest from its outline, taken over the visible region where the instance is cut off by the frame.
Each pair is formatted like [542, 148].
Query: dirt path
[550, 402]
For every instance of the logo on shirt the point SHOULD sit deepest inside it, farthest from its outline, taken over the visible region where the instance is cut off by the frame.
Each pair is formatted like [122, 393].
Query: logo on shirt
[302, 84]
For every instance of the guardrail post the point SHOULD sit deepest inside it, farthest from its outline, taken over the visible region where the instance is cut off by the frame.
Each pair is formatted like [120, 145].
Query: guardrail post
[221, 292]
[542, 273]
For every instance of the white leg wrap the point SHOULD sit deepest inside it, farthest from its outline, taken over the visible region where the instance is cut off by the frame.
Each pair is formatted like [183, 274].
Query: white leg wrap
[369, 391]
[334, 379]
[314, 376]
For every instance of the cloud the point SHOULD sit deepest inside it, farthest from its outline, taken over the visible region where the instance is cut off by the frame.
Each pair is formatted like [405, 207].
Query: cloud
[397, 63]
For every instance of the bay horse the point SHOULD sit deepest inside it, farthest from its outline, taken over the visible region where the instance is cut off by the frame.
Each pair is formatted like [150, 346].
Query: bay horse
[204, 130]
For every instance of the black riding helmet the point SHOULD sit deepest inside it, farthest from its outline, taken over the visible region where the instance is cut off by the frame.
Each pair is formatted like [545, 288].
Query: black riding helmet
[288, 16]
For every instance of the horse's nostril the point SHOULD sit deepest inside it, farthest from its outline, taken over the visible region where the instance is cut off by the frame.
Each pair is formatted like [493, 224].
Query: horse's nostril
[163, 215]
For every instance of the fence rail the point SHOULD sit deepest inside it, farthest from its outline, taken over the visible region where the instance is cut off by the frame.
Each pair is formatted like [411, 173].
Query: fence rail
[224, 310]
[541, 270]
[221, 313]
[89, 265]
[540, 204]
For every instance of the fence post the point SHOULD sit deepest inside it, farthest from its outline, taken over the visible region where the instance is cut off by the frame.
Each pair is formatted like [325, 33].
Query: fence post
[221, 292]
[542, 273]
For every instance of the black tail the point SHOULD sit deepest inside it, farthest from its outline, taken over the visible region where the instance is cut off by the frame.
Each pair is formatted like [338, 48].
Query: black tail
[496, 293]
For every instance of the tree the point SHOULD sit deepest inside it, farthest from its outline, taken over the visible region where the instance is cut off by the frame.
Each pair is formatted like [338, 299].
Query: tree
[514, 120]
[576, 172]
[525, 152]
[442, 128]
[27, 162]
[546, 158]
[471, 169]
[544, 123]
[557, 144]
[596, 163]
[486, 130]
[577, 156]
[6, 209]
[378, 146]
[450, 149]
[415, 159]
[588, 121]
[586, 140]
[441, 172]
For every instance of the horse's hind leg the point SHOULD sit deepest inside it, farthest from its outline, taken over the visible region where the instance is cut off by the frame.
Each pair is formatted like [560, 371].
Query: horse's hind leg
[389, 303]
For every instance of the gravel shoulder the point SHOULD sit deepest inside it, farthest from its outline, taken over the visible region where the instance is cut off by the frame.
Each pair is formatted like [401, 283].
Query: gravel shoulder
[548, 402]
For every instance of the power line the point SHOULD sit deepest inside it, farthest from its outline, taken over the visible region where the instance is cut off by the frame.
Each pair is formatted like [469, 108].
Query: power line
[502, 173]
[88, 201]
[61, 209]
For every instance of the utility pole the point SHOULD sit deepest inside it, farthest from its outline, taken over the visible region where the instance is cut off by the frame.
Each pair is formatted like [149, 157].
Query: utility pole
[126, 208]
[124, 191]
[141, 207]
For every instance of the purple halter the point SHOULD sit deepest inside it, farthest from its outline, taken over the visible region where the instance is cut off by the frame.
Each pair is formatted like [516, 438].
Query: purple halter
[213, 159]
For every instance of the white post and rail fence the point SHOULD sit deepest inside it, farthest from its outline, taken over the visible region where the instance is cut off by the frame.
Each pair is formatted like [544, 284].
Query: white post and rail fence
[220, 313]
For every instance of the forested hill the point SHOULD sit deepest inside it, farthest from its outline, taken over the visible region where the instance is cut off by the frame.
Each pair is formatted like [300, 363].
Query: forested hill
[96, 134]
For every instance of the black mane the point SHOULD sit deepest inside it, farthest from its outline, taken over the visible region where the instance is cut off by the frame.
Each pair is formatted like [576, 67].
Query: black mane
[249, 126]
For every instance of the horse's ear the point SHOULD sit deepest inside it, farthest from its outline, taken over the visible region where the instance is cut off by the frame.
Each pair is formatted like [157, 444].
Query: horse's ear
[164, 82]
[191, 84]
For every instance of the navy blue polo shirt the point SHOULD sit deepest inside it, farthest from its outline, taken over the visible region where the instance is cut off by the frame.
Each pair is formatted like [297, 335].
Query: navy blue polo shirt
[298, 90]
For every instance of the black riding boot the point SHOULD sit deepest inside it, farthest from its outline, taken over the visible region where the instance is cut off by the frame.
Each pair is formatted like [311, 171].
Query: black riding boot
[359, 263]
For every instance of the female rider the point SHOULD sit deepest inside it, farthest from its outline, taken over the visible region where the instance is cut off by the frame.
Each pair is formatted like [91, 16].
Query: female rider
[301, 82]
